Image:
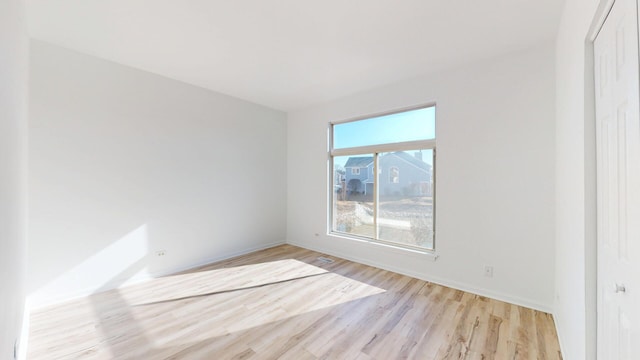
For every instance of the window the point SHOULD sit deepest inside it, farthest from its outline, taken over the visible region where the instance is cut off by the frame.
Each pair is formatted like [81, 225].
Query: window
[377, 204]
[394, 175]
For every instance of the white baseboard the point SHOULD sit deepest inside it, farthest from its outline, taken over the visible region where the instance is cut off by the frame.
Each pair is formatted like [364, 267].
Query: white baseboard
[560, 337]
[217, 259]
[23, 341]
[434, 279]
[38, 302]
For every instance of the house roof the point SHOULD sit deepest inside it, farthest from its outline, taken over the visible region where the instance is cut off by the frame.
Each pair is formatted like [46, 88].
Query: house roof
[359, 161]
[411, 159]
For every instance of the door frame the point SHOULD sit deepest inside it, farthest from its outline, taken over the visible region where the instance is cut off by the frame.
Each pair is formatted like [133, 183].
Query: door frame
[590, 176]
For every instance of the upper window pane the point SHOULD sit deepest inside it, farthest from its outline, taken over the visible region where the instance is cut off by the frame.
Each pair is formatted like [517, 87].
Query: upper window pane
[419, 124]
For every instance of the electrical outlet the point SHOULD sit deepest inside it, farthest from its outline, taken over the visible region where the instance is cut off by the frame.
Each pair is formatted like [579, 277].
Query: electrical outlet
[160, 253]
[488, 271]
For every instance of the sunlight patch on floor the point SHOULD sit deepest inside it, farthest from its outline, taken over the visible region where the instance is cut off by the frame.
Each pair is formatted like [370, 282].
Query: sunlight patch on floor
[235, 299]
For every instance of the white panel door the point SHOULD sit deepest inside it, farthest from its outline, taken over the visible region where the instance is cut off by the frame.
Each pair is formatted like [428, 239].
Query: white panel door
[618, 164]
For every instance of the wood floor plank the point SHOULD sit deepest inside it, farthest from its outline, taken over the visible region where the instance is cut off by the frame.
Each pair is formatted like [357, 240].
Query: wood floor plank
[284, 303]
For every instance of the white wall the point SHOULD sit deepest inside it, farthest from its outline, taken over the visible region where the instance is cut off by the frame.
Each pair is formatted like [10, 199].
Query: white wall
[495, 177]
[125, 163]
[575, 222]
[13, 120]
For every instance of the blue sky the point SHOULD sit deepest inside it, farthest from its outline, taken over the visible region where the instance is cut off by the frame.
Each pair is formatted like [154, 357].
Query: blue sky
[405, 126]
[411, 125]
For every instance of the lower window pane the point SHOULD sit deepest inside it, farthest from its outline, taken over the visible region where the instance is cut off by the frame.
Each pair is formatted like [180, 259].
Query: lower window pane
[353, 188]
[405, 188]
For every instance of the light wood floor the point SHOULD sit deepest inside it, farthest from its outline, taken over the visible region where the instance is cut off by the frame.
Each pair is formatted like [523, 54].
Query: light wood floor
[283, 303]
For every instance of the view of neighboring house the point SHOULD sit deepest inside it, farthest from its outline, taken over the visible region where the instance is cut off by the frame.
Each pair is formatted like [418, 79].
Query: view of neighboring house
[359, 175]
[338, 179]
[401, 174]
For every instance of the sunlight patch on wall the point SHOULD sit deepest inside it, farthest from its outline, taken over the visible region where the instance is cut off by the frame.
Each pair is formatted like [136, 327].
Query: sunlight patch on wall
[119, 263]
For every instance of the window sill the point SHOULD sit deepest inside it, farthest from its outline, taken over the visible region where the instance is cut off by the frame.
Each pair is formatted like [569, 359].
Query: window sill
[396, 248]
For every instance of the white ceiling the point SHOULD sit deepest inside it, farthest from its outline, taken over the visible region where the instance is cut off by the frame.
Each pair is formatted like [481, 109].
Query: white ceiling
[288, 54]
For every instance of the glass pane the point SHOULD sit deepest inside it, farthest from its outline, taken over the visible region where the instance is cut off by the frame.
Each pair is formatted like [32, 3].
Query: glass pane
[410, 125]
[353, 195]
[405, 188]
